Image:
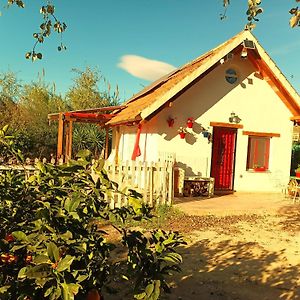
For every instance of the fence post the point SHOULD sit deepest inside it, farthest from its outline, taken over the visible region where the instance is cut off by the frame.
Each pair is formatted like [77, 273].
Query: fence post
[126, 179]
[133, 172]
[145, 190]
[151, 184]
[170, 185]
[119, 196]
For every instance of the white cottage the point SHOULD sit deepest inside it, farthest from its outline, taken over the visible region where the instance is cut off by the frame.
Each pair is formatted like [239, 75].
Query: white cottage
[234, 106]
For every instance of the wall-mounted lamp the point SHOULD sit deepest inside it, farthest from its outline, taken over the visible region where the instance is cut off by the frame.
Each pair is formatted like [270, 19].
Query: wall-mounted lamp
[234, 118]
[244, 53]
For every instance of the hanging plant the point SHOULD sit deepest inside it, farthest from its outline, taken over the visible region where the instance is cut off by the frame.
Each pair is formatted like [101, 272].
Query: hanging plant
[206, 133]
[190, 122]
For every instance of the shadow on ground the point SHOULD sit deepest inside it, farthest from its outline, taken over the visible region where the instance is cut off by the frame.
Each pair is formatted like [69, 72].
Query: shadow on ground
[227, 271]
[290, 218]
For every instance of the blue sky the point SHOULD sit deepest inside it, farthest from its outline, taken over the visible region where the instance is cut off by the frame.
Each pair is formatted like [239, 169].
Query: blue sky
[110, 34]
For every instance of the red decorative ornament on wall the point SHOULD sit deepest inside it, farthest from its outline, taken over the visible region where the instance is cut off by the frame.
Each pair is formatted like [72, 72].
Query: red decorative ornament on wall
[190, 122]
[182, 132]
[182, 135]
[171, 122]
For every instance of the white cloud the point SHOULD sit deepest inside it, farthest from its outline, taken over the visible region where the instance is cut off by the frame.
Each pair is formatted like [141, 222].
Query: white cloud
[144, 68]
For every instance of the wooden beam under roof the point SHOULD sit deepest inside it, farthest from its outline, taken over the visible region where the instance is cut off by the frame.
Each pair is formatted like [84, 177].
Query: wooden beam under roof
[55, 116]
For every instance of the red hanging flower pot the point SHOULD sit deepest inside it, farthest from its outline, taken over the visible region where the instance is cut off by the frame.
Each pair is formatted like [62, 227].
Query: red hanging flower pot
[182, 135]
[190, 123]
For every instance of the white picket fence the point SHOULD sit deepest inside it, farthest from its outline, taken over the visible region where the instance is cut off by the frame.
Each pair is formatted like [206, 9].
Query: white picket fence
[154, 180]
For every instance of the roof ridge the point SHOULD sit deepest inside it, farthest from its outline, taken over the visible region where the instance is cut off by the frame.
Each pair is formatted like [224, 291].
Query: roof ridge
[164, 78]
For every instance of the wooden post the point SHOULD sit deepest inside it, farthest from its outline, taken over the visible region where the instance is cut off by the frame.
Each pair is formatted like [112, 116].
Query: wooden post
[70, 139]
[106, 144]
[66, 134]
[60, 136]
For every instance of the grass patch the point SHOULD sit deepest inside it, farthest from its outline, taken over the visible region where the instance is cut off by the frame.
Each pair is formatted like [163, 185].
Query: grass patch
[161, 214]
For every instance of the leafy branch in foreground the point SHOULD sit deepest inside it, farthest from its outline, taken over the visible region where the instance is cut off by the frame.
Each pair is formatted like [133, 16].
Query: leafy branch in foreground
[254, 9]
[50, 22]
[54, 241]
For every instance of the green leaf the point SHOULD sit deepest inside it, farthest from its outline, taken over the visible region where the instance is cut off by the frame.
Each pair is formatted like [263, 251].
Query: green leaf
[53, 252]
[20, 236]
[74, 204]
[41, 259]
[140, 296]
[172, 257]
[74, 288]
[65, 263]
[41, 167]
[67, 235]
[49, 291]
[69, 290]
[22, 273]
[65, 292]
[156, 293]
[81, 278]
[4, 289]
[149, 289]
[39, 271]
[55, 294]
[83, 153]
[17, 247]
[135, 203]
[4, 129]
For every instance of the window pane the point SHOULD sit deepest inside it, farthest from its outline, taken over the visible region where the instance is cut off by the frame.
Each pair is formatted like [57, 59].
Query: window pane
[258, 152]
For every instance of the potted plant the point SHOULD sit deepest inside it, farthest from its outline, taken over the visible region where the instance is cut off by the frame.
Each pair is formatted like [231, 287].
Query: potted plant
[190, 122]
[297, 171]
[182, 132]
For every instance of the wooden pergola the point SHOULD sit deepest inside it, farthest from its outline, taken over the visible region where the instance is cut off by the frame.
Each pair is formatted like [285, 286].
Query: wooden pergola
[65, 120]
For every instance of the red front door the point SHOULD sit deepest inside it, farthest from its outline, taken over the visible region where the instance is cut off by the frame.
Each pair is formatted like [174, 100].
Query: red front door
[223, 157]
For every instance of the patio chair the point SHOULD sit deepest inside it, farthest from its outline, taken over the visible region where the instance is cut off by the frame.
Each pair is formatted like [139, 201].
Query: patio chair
[293, 190]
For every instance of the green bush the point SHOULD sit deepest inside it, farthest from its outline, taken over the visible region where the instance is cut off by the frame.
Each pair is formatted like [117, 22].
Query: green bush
[50, 244]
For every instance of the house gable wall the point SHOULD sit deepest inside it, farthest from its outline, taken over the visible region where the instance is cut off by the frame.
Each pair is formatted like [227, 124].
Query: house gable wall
[212, 99]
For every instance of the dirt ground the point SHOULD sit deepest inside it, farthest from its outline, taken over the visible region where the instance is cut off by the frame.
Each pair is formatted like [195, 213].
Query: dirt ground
[240, 247]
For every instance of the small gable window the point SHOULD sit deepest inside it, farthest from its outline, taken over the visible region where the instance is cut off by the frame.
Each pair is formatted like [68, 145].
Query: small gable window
[231, 76]
[258, 153]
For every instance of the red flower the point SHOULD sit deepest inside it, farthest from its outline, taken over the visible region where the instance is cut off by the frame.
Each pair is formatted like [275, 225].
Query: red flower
[9, 237]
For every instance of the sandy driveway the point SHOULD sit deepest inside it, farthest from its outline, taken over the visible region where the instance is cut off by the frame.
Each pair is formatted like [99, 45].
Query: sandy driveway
[242, 246]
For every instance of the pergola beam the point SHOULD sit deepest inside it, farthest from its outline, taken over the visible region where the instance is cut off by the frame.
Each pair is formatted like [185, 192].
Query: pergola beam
[65, 120]
[55, 116]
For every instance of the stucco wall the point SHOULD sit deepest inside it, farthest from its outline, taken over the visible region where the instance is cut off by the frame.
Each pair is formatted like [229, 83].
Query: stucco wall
[212, 99]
